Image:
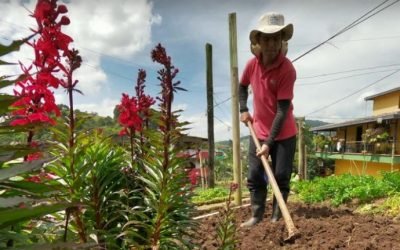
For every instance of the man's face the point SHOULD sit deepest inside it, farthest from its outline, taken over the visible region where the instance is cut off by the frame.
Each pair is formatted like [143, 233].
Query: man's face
[270, 45]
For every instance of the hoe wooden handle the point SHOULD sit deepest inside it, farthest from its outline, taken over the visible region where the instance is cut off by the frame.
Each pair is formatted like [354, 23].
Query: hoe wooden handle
[277, 193]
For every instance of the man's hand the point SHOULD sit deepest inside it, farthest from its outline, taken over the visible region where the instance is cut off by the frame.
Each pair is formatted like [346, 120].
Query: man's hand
[245, 117]
[263, 151]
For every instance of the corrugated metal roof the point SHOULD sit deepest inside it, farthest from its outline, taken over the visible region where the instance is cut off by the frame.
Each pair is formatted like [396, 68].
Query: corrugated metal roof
[368, 98]
[330, 127]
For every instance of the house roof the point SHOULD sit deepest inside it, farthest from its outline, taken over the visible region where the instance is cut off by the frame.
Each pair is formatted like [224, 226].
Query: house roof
[193, 139]
[330, 127]
[369, 98]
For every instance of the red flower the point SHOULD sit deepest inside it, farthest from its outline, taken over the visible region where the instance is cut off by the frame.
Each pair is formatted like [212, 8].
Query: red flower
[35, 179]
[129, 113]
[37, 102]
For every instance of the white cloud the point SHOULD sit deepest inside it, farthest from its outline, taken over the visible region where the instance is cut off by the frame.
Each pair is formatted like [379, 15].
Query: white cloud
[103, 108]
[117, 28]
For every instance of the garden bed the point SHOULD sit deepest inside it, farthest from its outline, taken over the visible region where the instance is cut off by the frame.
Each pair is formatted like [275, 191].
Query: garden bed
[321, 227]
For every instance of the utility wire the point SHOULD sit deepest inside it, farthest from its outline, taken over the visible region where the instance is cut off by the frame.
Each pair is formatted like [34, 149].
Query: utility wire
[353, 93]
[228, 126]
[227, 99]
[220, 108]
[343, 77]
[350, 26]
[348, 71]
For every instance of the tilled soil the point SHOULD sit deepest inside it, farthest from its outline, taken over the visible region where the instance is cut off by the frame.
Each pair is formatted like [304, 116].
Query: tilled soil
[321, 227]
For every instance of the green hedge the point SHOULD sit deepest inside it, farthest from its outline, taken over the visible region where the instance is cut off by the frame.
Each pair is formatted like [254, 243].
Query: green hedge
[343, 188]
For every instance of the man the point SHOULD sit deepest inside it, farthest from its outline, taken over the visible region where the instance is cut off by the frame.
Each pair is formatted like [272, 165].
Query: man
[271, 76]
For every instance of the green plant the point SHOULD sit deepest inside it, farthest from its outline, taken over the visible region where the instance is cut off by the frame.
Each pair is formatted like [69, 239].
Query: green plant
[167, 209]
[341, 189]
[322, 142]
[21, 200]
[226, 228]
[210, 194]
[392, 179]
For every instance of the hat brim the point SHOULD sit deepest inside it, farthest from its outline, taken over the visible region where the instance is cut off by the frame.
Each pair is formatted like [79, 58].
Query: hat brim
[287, 32]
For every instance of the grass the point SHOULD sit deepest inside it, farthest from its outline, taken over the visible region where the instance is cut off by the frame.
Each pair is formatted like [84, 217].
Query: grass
[213, 195]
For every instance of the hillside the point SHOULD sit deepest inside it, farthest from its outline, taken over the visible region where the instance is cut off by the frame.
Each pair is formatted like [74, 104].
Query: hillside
[245, 139]
[315, 123]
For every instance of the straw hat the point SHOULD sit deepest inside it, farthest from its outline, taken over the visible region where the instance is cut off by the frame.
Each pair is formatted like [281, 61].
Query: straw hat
[271, 23]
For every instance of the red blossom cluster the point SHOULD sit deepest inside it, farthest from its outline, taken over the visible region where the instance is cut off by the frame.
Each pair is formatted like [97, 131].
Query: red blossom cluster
[37, 101]
[145, 101]
[129, 114]
[36, 155]
[234, 186]
[135, 110]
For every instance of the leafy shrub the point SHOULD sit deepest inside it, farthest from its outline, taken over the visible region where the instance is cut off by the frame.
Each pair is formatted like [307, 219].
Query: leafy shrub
[392, 179]
[210, 194]
[341, 189]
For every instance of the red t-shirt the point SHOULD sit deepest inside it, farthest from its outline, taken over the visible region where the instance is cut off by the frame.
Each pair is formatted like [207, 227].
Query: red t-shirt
[270, 84]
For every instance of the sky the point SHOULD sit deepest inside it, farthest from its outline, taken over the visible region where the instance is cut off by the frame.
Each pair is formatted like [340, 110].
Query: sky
[115, 39]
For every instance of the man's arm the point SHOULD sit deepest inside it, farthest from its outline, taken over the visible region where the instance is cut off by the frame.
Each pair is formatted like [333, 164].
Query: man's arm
[243, 95]
[282, 110]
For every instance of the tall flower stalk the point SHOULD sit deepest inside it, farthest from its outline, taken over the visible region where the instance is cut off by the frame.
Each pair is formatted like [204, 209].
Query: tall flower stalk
[37, 102]
[170, 205]
[134, 113]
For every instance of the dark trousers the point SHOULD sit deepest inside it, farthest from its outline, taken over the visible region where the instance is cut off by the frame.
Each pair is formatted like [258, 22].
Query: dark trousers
[282, 154]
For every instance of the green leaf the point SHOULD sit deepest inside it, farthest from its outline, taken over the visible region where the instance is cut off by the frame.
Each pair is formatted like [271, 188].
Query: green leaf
[11, 216]
[9, 153]
[18, 169]
[66, 245]
[14, 201]
[6, 63]
[5, 83]
[14, 46]
[32, 188]
[5, 102]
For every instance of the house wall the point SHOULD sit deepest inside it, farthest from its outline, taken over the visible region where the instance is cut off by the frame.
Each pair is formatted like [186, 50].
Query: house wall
[360, 167]
[386, 103]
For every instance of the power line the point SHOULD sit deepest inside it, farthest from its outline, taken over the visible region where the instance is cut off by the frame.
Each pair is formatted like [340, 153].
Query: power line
[344, 77]
[227, 99]
[351, 94]
[228, 126]
[350, 26]
[220, 108]
[350, 40]
[348, 71]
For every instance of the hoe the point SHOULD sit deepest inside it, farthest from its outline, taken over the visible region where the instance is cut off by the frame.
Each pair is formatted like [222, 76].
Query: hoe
[292, 230]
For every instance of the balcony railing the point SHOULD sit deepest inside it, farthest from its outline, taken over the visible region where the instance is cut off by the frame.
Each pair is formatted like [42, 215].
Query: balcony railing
[360, 147]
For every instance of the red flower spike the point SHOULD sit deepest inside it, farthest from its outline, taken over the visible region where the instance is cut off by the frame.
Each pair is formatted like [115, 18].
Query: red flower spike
[37, 102]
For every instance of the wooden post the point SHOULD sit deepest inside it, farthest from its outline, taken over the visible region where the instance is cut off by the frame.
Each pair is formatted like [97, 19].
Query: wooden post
[210, 117]
[235, 107]
[201, 171]
[300, 147]
[305, 163]
[394, 145]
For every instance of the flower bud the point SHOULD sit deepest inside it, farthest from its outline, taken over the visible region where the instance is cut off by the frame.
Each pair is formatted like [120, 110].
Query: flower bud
[62, 9]
[65, 21]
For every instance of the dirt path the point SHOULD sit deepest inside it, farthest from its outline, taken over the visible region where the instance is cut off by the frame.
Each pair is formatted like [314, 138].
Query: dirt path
[321, 228]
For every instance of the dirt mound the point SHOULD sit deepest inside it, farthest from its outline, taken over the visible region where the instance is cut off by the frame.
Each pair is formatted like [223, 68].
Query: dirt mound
[321, 228]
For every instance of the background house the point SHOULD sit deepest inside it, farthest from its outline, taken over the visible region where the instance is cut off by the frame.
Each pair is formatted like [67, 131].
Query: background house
[368, 145]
